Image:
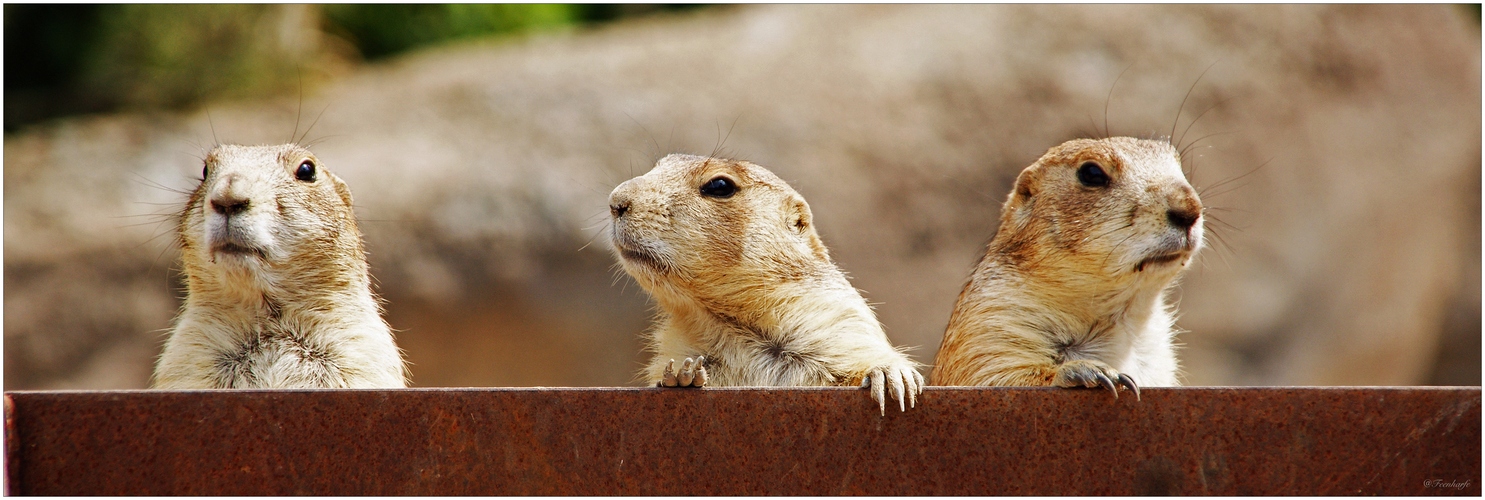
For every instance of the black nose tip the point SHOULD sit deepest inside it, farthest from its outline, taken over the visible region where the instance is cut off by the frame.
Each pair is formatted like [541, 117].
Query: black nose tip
[229, 206]
[618, 209]
[1182, 218]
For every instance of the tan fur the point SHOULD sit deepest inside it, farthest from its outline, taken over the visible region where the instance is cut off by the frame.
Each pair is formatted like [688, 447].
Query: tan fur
[746, 282]
[1061, 294]
[290, 306]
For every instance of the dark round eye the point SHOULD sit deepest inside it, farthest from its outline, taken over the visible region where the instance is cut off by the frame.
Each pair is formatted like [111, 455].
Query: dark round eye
[306, 171]
[720, 187]
[203, 171]
[1092, 175]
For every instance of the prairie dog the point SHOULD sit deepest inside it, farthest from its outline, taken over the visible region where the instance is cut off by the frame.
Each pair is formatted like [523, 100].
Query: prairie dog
[279, 295]
[1071, 291]
[747, 292]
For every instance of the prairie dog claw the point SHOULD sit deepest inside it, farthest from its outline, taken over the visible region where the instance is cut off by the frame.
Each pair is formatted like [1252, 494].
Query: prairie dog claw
[1089, 373]
[902, 383]
[668, 380]
[692, 374]
[1104, 381]
[1127, 381]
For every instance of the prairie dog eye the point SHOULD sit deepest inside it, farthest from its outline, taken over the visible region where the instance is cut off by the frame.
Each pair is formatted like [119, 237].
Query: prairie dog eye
[306, 171]
[1092, 175]
[204, 171]
[719, 187]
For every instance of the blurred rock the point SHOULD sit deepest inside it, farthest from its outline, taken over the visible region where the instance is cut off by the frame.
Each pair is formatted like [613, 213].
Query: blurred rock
[481, 173]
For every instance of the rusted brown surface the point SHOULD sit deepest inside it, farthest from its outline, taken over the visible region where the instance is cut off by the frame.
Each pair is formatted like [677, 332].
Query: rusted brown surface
[748, 441]
[12, 448]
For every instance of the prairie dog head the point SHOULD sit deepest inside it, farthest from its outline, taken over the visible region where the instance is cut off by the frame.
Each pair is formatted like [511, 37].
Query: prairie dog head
[702, 228]
[1117, 207]
[261, 211]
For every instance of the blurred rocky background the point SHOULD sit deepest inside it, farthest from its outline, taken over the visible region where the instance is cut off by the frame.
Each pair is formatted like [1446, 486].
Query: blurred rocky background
[1340, 145]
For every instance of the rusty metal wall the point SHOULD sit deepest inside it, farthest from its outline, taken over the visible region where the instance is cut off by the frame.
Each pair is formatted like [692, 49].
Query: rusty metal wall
[1240, 441]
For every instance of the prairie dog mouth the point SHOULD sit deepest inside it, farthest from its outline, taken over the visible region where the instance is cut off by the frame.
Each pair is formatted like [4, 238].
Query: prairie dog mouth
[1171, 249]
[639, 255]
[230, 248]
[238, 235]
[1159, 260]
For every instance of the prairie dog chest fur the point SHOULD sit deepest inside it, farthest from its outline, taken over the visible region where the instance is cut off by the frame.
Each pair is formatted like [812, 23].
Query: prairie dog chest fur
[730, 254]
[278, 290]
[1071, 290]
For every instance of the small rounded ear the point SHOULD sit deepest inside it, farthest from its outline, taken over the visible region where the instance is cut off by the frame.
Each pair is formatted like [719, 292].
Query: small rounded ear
[802, 223]
[799, 217]
[1026, 182]
[341, 188]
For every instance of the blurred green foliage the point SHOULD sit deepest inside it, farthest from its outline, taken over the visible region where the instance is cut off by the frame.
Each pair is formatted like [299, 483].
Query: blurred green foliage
[382, 30]
[172, 55]
[69, 59]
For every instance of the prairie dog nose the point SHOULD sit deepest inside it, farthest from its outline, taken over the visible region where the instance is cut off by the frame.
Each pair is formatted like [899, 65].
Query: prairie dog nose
[1183, 208]
[619, 201]
[1182, 218]
[228, 201]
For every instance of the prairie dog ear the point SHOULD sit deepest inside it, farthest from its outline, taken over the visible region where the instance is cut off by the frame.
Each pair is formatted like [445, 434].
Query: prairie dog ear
[798, 215]
[802, 223]
[1026, 182]
[342, 189]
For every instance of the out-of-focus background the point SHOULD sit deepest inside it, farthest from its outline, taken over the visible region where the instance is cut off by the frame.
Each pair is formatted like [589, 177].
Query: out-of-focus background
[1341, 144]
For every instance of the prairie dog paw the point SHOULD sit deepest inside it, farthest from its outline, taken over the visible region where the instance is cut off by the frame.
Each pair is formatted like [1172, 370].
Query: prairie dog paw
[692, 374]
[1090, 373]
[903, 383]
